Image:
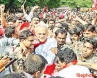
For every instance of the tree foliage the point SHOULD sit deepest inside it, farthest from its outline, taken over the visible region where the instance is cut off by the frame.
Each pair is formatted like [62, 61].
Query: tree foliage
[13, 4]
[77, 3]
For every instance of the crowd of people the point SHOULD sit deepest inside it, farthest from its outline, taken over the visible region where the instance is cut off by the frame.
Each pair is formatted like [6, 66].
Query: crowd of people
[48, 44]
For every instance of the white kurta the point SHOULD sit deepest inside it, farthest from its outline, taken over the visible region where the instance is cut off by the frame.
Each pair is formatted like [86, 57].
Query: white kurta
[45, 50]
[75, 71]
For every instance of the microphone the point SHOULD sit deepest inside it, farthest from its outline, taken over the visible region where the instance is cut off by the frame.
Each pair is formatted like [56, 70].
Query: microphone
[13, 60]
[7, 65]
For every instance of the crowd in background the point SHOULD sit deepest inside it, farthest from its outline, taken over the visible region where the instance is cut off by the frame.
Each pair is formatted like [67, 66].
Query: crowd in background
[48, 43]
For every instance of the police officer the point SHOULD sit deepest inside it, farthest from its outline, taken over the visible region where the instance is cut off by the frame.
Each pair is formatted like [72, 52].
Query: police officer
[88, 57]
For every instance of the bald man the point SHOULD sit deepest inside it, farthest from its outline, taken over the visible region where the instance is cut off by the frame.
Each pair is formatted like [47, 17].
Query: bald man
[34, 66]
[47, 46]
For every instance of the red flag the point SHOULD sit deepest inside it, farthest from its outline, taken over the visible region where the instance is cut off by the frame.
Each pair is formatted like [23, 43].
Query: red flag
[94, 6]
[45, 9]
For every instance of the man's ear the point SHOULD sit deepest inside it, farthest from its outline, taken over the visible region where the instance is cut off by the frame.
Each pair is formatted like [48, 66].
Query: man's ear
[94, 51]
[13, 35]
[37, 74]
[54, 36]
[94, 33]
[64, 63]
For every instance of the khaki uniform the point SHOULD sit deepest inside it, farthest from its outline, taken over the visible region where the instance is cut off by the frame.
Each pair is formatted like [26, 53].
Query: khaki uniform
[71, 46]
[91, 59]
[60, 47]
[76, 47]
[18, 65]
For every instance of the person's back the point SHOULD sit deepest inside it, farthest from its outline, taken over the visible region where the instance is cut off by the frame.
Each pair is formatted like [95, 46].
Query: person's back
[75, 71]
[15, 75]
[66, 65]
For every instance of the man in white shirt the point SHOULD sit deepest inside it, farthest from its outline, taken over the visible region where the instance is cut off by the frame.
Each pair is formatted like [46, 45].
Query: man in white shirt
[31, 14]
[47, 46]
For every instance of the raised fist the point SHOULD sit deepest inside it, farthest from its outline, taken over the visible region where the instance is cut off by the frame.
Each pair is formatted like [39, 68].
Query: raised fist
[2, 7]
[22, 7]
[35, 8]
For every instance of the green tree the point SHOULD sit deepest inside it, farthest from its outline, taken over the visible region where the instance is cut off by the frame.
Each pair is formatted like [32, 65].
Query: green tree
[77, 3]
[13, 4]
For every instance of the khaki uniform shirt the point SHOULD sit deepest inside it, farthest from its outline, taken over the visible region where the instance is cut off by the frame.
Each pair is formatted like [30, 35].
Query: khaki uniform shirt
[91, 59]
[18, 65]
[60, 47]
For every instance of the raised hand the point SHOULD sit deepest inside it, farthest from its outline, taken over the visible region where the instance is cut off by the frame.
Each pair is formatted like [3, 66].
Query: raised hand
[4, 61]
[2, 7]
[22, 7]
[35, 8]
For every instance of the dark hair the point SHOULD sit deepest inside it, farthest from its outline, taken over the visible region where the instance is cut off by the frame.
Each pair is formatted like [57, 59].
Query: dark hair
[16, 18]
[66, 55]
[62, 31]
[25, 34]
[74, 31]
[15, 75]
[36, 17]
[56, 77]
[89, 27]
[9, 31]
[51, 20]
[25, 20]
[96, 29]
[10, 20]
[92, 41]
[44, 20]
[34, 63]
[65, 26]
[79, 27]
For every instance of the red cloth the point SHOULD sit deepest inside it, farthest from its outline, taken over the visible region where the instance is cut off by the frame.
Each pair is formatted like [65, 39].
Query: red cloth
[33, 31]
[53, 13]
[41, 15]
[94, 6]
[25, 24]
[37, 44]
[1, 31]
[95, 1]
[45, 9]
[61, 16]
[50, 69]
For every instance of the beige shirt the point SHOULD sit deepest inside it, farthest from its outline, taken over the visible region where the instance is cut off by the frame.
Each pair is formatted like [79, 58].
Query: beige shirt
[18, 66]
[91, 59]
